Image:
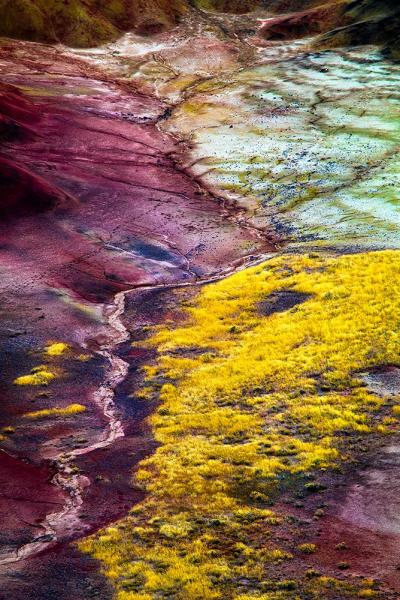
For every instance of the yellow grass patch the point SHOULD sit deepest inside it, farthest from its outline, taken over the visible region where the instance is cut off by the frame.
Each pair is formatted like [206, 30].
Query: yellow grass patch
[37, 377]
[56, 349]
[72, 409]
[249, 401]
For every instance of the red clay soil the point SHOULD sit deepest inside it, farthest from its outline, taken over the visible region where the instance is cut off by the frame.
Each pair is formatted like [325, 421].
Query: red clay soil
[362, 527]
[96, 204]
[26, 497]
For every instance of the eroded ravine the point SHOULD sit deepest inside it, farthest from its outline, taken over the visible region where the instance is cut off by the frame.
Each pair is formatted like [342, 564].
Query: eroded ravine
[57, 527]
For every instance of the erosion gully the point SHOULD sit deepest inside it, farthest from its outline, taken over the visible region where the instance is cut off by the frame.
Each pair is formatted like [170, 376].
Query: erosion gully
[130, 214]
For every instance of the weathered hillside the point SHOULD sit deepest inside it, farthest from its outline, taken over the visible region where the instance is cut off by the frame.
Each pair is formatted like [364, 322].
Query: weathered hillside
[339, 22]
[89, 22]
[85, 23]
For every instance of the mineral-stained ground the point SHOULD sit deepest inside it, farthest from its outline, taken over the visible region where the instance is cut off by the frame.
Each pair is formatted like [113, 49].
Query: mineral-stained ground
[200, 308]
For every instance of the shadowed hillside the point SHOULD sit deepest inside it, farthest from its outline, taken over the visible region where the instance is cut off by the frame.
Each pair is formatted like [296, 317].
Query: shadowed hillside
[339, 22]
[372, 21]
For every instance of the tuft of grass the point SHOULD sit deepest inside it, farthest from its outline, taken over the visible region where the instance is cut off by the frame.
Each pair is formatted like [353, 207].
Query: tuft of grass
[56, 349]
[70, 410]
[41, 376]
[307, 548]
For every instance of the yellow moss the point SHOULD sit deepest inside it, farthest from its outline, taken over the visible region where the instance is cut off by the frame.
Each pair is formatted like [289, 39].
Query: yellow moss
[261, 399]
[40, 376]
[72, 409]
[39, 368]
[56, 349]
[178, 527]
